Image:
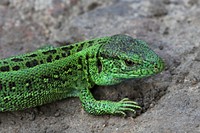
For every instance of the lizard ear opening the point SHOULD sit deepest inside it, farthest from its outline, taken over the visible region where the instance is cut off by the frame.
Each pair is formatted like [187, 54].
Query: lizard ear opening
[99, 65]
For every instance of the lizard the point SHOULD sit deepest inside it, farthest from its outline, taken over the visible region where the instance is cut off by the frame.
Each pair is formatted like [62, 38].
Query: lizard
[47, 75]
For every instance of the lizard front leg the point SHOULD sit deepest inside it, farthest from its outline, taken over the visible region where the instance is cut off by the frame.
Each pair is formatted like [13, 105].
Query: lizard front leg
[100, 107]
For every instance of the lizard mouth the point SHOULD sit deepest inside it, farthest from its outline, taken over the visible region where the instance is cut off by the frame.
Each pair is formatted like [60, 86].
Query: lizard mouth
[155, 69]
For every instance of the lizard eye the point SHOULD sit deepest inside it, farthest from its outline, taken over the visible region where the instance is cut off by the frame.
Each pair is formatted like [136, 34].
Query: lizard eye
[129, 63]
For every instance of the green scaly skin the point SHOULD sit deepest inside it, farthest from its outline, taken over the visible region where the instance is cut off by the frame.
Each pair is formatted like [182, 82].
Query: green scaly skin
[47, 75]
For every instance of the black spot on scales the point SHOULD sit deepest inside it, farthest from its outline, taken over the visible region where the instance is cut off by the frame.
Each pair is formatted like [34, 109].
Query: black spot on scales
[17, 59]
[70, 73]
[5, 62]
[28, 64]
[32, 63]
[1, 86]
[41, 61]
[57, 57]
[49, 58]
[15, 68]
[80, 60]
[64, 55]
[87, 64]
[87, 57]
[4, 68]
[91, 43]
[28, 81]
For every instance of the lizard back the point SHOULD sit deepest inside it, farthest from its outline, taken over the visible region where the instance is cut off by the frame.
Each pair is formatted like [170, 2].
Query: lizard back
[44, 56]
[43, 76]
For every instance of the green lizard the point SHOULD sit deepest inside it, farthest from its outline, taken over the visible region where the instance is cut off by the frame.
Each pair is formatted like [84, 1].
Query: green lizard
[47, 75]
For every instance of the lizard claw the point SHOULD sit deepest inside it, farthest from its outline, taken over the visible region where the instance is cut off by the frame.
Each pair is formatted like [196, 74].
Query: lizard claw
[126, 105]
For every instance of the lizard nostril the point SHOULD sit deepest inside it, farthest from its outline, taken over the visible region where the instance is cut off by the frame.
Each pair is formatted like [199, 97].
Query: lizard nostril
[156, 67]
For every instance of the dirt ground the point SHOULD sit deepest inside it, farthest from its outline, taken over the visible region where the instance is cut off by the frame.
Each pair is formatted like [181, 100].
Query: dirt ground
[170, 100]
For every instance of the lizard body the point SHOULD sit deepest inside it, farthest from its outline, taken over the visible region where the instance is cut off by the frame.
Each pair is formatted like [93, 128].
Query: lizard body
[47, 75]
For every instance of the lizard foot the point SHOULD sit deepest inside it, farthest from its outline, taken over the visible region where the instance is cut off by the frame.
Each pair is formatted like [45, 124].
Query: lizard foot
[125, 105]
[109, 107]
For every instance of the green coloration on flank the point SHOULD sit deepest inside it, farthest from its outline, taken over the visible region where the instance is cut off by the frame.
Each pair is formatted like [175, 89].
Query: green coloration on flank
[47, 75]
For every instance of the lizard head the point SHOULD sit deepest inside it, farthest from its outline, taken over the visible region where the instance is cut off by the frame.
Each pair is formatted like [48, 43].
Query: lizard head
[125, 58]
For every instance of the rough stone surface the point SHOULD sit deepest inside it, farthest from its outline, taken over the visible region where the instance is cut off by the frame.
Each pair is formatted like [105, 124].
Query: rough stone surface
[170, 100]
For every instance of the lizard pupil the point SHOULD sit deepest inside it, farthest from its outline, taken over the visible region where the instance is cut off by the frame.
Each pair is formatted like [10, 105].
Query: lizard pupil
[129, 63]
